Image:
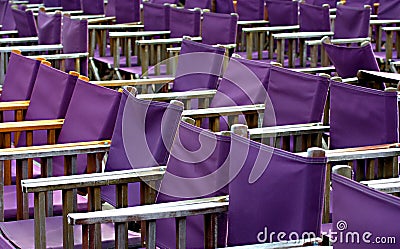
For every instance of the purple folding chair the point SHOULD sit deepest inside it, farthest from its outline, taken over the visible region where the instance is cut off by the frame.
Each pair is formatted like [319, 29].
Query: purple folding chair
[272, 191]
[25, 23]
[93, 7]
[294, 97]
[49, 28]
[249, 10]
[202, 4]
[184, 22]
[351, 22]
[224, 6]
[198, 167]
[75, 40]
[389, 10]
[282, 13]
[155, 16]
[127, 11]
[314, 18]
[147, 142]
[348, 60]
[332, 3]
[199, 67]
[353, 207]
[52, 3]
[70, 5]
[219, 28]
[377, 123]
[7, 18]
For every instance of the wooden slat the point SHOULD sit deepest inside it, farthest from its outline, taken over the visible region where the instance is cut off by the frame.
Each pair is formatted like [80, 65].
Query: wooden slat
[178, 95]
[31, 125]
[223, 111]
[137, 34]
[298, 35]
[139, 82]
[270, 29]
[35, 48]
[14, 105]
[164, 41]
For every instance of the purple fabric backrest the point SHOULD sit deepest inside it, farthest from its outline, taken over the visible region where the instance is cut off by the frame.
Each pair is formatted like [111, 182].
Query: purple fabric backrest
[202, 4]
[362, 116]
[165, 1]
[90, 116]
[314, 18]
[282, 13]
[35, 1]
[184, 22]
[219, 28]
[294, 97]
[389, 10]
[7, 18]
[332, 3]
[75, 40]
[69, 5]
[272, 191]
[359, 3]
[198, 167]
[143, 135]
[155, 16]
[127, 11]
[50, 98]
[351, 22]
[25, 23]
[348, 60]
[49, 28]
[354, 205]
[93, 7]
[110, 8]
[224, 6]
[199, 67]
[52, 3]
[249, 10]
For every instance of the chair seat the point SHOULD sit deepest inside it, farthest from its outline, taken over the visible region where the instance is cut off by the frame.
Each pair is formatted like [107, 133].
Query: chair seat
[10, 203]
[21, 234]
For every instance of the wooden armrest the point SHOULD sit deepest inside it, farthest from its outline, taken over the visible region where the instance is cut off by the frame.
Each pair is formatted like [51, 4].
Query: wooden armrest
[116, 26]
[8, 32]
[287, 130]
[390, 186]
[31, 125]
[270, 29]
[339, 41]
[98, 19]
[92, 180]
[382, 22]
[223, 111]
[391, 28]
[14, 105]
[253, 22]
[18, 40]
[378, 76]
[175, 49]
[35, 48]
[226, 46]
[315, 70]
[301, 35]
[164, 41]
[137, 34]
[54, 150]
[50, 57]
[139, 82]
[152, 212]
[178, 95]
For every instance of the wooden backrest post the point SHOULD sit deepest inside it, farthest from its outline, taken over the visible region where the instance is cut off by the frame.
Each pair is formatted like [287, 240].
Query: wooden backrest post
[240, 130]
[343, 170]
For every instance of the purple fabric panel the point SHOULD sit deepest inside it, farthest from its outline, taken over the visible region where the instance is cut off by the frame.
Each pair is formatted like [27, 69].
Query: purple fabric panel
[49, 100]
[272, 190]
[10, 203]
[219, 28]
[143, 136]
[198, 168]
[199, 67]
[52, 3]
[249, 10]
[351, 22]
[35, 1]
[25, 23]
[110, 8]
[348, 60]
[359, 3]
[7, 18]
[155, 16]
[17, 85]
[202, 4]
[362, 210]
[376, 124]
[314, 18]
[294, 97]
[93, 7]
[21, 233]
[49, 28]
[224, 6]
[127, 11]
[389, 9]
[282, 13]
[165, 1]
[69, 5]
[75, 40]
[184, 22]
[90, 116]
[332, 3]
